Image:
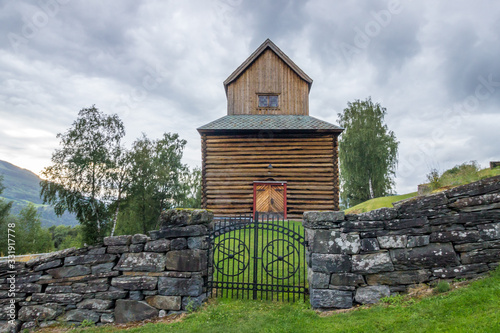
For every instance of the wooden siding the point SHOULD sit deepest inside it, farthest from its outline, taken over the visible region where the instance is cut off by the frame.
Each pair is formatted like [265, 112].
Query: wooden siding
[268, 75]
[308, 163]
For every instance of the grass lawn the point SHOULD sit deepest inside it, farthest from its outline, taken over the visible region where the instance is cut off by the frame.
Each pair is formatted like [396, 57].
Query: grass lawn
[475, 308]
[378, 203]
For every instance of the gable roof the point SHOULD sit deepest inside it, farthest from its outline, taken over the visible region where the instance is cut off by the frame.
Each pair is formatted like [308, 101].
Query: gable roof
[269, 122]
[268, 44]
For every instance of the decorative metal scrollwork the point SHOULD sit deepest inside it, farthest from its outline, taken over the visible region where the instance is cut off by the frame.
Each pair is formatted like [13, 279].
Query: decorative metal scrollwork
[279, 259]
[231, 256]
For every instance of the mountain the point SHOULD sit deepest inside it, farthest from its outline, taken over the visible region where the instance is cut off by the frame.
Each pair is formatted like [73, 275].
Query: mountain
[21, 187]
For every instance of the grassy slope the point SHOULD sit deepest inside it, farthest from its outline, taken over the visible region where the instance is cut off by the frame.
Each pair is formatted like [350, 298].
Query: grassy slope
[22, 187]
[471, 309]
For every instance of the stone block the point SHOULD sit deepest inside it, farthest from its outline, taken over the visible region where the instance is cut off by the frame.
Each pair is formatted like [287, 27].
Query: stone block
[198, 242]
[317, 280]
[136, 295]
[480, 256]
[192, 303]
[178, 244]
[136, 248]
[165, 302]
[477, 203]
[392, 241]
[489, 231]
[429, 256]
[347, 279]
[369, 245]
[330, 299]
[372, 263]
[79, 315]
[371, 294]
[102, 268]
[321, 220]
[399, 277]
[160, 245]
[139, 239]
[333, 242]
[380, 214]
[406, 223]
[477, 246]
[69, 271]
[457, 237]
[169, 286]
[98, 250]
[112, 294]
[330, 263]
[117, 240]
[40, 312]
[57, 290]
[143, 261]
[185, 217]
[428, 203]
[186, 260]
[86, 288]
[135, 282]
[95, 304]
[416, 241]
[118, 249]
[28, 288]
[47, 265]
[176, 232]
[107, 318]
[459, 271]
[129, 311]
[350, 226]
[69, 298]
[91, 259]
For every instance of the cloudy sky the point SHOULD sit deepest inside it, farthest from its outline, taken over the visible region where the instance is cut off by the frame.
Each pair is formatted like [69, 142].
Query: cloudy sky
[159, 65]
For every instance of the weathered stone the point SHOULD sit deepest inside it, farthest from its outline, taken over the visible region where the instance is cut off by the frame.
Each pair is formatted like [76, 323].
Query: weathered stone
[28, 278]
[319, 220]
[28, 326]
[117, 240]
[160, 245]
[136, 248]
[429, 256]
[176, 232]
[51, 256]
[481, 217]
[58, 289]
[79, 315]
[40, 312]
[187, 260]
[150, 292]
[178, 244]
[379, 214]
[11, 326]
[135, 282]
[393, 241]
[69, 271]
[47, 265]
[480, 256]
[192, 303]
[330, 299]
[136, 295]
[185, 217]
[139, 239]
[317, 280]
[480, 187]
[165, 302]
[372, 263]
[459, 271]
[371, 294]
[91, 259]
[427, 204]
[489, 231]
[198, 242]
[102, 268]
[118, 249]
[57, 298]
[85, 288]
[399, 277]
[97, 250]
[330, 263]
[406, 223]
[347, 279]
[477, 203]
[457, 237]
[95, 304]
[168, 286]
[129, 310]
[28, 288]
[369, 245]
[349, 226]
[327, 241]
[112, 294]
[144, 261]
[478, 246]
[107, 318]
[416, 241]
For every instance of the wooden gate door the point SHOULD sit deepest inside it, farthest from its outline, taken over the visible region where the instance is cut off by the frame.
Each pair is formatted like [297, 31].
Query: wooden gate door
[270, 198]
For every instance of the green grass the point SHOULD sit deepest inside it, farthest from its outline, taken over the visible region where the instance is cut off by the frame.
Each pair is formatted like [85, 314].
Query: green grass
[378, 203]
[475, 308]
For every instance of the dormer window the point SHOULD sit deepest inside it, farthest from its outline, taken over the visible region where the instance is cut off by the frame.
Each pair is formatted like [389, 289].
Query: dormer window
[268, 101]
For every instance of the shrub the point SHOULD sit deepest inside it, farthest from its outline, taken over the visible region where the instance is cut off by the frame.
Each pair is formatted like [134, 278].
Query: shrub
[443, 286]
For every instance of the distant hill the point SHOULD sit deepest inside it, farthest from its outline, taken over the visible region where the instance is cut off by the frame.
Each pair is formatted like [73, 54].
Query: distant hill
[21, 187]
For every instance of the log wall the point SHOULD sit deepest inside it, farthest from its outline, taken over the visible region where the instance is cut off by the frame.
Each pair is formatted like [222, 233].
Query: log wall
[268, 75]
[308, 163]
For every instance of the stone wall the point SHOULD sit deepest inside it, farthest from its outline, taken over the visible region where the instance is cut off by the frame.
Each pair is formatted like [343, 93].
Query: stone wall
[357, 259]
[127, 278]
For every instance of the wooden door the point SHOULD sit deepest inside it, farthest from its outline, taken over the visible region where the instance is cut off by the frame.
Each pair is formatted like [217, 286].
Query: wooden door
[270, 198]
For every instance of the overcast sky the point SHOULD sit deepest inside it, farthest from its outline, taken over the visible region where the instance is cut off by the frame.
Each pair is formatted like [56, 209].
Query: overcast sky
[159, 65]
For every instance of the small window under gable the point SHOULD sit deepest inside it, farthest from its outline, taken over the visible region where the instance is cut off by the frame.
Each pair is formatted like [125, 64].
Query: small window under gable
[268, 101]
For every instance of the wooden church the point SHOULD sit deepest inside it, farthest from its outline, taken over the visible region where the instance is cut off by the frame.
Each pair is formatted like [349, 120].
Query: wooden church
[268, 154]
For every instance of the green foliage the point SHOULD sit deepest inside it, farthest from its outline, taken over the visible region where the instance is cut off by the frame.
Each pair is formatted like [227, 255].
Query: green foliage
[378, 203]
[86, 323]
[367, 153]
[65, 236]
[460, 174]
[80, 178]
[443, 286]
[30, 236]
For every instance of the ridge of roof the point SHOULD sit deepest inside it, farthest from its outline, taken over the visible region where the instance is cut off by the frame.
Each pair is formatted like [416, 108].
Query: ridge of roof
[268, 44]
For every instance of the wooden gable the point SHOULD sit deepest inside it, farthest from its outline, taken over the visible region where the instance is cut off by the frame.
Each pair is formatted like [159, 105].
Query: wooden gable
[268, 71]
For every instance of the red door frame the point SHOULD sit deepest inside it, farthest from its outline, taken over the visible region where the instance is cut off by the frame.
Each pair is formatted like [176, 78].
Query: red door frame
[263, 183]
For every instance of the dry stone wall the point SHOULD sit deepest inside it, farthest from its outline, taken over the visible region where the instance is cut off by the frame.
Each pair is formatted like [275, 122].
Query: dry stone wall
[357, 259]
[127, 278]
